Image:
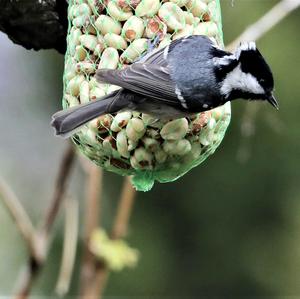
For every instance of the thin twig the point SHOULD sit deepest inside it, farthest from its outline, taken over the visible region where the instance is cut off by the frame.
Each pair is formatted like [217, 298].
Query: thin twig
[119, 230]
[253, 33]
[34, 265]
[60, 187]
[69, 248]
[124, 210]
[266, 22]
[92, 212]
[19, 215]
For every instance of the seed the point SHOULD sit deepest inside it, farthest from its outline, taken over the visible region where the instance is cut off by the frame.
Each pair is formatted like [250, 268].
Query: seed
[199, 122]
[126, 5]
[189, 18]
[148, 119]
[82, 9]
[85, 67]
[154, 134]
[90, 137]
[96, 93]
[134, 163]
[175, 129]
[132, 144]
[109, 144]
[160, 156]
[193, 154]
[70, 69]
[212, 11]
[154, 27]
[133, 28]
[74, 85]
[71, 100]
[217, 113]
[135, 129]
[84, 92]
[75, 33]
[120, 121]
[98, 50]
[147, 8]
[206, 137]
[135, 49]
[107, 24]
[165, 41]
[180, 3]
[112, 88]
[116, 12]
[122, 145]
[186, 31]
[80, 53]
[211, 123]
[97, 6]
[177, 147]
[109, 59]
[197, 7]
[104, 122]
[81, 21]
[143, 157]
[115, 41]
[89, 41]
[172, 15]
[101, 124]
[150, 144]
[206, 28]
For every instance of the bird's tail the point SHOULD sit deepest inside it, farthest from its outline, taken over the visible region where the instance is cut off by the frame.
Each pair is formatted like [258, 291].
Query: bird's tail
[66, 122]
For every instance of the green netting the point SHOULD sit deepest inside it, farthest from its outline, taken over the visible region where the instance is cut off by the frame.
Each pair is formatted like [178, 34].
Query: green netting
[112, 34]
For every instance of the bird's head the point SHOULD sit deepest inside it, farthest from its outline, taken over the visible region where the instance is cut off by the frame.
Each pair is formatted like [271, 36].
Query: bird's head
[251, 78]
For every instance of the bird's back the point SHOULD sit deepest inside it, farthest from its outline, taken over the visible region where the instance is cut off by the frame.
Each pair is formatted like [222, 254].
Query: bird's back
[194, 72]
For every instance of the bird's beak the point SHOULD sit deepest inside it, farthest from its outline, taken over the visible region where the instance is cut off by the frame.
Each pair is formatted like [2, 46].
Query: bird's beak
[271, 99]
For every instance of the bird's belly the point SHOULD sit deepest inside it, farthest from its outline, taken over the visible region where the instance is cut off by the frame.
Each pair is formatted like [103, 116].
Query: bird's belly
[161, 111]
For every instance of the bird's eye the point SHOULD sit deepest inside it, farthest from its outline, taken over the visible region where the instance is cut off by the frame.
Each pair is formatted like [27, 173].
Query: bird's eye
[262, 80]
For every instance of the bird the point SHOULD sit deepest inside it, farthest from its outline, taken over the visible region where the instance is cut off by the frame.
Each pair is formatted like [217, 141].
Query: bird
[188, 76]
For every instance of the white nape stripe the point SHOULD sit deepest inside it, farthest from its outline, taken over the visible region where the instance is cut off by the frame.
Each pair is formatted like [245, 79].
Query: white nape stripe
[219, 61]
[245, 46]
[180, 97]
[239, 80]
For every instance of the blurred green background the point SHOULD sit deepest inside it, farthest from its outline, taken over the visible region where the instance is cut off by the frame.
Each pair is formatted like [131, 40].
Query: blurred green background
[229, 227]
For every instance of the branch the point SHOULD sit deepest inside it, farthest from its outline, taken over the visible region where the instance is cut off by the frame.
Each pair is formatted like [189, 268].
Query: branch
[253, 33]
[92, 212]
[34, 265]
[266, 22]
[119, 230]
[60, 187]
[124, 210]
[69, 248]
[19, 215]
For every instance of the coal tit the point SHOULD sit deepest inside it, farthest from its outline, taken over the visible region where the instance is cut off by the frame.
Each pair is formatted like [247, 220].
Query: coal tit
[188, 76]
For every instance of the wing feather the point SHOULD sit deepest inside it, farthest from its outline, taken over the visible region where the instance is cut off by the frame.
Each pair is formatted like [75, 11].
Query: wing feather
[150, 76]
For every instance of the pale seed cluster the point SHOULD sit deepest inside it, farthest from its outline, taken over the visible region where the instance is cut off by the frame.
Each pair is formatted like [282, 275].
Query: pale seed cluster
[112, 34]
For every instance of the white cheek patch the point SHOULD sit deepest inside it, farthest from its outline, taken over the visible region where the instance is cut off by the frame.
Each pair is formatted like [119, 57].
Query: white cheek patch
[239, 80]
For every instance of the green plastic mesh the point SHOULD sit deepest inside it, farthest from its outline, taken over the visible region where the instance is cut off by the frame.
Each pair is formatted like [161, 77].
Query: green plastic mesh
[115, 33]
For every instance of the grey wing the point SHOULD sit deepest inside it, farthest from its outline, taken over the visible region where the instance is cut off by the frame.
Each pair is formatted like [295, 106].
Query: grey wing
[152, 81]
[149, 77]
